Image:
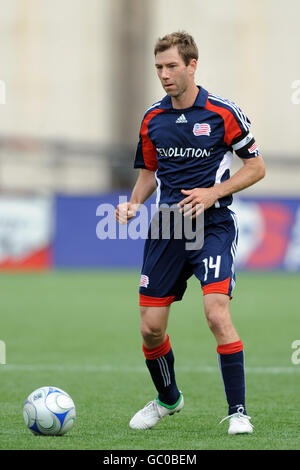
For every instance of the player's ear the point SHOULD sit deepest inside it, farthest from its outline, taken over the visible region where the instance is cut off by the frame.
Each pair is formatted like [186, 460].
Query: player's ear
[192, 66]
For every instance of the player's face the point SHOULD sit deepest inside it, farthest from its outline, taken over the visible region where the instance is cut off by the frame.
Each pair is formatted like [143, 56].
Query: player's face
[174, 74]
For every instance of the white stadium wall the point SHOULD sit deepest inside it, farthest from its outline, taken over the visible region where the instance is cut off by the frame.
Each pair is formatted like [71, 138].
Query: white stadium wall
[248, 52]
[52, 55]
[83, 71]
[57, 63]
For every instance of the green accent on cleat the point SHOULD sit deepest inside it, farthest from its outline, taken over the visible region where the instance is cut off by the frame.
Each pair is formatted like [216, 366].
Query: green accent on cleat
[170, 407]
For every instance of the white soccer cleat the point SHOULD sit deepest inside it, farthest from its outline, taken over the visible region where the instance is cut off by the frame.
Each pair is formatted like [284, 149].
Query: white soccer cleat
[239, 424]
[148, 416]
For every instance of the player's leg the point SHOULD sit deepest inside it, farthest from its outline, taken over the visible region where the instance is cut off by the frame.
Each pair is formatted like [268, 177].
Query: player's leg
[214, 267]
[216, 308]
[163, 281]
[229, 349]
[153, 326]
[158, 353]
[231, 359]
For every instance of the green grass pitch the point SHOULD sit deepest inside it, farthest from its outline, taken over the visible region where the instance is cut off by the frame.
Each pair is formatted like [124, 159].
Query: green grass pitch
[79, 331]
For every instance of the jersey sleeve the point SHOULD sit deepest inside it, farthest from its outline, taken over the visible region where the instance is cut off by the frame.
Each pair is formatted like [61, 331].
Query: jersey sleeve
[146, 155]
[237, 132]
[245, 146]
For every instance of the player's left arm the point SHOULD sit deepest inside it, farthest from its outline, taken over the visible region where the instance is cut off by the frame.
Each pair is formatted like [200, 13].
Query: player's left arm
[251, 172]
[237, 135]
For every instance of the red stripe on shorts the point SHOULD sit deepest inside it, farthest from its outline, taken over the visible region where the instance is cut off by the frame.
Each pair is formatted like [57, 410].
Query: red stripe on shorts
[221, 287]
[147, 301]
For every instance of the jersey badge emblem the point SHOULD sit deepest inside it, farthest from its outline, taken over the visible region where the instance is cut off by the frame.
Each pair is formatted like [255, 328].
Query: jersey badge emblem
[201, 129]
[144, 281]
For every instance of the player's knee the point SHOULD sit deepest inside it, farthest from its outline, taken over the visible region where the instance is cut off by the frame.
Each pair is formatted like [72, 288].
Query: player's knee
[152, 327]
[152, 334]
[218, 316]
[218, 323]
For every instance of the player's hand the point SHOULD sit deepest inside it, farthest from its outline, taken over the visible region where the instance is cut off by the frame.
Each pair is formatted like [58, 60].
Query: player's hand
[197, 200]
[126, 211]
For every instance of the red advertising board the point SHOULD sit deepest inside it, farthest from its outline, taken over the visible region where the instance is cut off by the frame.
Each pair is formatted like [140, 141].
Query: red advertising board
[25, 232]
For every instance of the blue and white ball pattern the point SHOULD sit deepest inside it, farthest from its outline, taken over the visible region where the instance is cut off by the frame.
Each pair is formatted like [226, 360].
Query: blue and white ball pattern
[49, 411]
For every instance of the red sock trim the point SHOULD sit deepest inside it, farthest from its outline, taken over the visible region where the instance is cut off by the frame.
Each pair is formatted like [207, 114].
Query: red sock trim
[221, 287]
[158, 351]
[147, 301]
[230, 348]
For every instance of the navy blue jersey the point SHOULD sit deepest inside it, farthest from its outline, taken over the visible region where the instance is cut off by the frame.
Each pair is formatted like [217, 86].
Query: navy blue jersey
[193, 148]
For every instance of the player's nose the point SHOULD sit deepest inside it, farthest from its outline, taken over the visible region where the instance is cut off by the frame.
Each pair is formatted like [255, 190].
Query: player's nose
[164, 73]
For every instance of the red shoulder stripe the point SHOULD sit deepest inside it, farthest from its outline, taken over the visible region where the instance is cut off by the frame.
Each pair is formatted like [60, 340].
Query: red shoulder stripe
[232, 128]
[149, 151]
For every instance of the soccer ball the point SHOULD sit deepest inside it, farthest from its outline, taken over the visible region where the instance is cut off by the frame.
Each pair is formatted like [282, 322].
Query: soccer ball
[49, 411]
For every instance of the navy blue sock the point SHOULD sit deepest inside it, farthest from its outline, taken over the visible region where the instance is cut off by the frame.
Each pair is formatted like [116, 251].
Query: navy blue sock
[233, 375]
[163, 376]
[160, 362]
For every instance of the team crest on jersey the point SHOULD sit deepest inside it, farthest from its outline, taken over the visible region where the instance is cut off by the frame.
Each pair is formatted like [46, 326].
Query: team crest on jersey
[253, 149]
[144, 280]
[201, 129]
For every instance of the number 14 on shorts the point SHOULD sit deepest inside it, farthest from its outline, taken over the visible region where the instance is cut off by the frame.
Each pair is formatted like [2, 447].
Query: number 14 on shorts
[209, 264]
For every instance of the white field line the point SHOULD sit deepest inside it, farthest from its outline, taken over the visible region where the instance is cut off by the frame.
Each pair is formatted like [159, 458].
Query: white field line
[138, 369]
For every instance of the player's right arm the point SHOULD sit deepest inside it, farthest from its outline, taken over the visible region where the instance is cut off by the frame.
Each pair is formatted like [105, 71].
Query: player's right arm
[144, 187]
[146, 161]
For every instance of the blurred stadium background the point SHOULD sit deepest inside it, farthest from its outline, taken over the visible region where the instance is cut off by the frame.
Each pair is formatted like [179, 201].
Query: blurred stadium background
[76, 78]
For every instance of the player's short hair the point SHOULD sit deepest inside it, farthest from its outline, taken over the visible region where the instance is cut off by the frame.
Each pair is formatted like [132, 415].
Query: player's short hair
[185, 43]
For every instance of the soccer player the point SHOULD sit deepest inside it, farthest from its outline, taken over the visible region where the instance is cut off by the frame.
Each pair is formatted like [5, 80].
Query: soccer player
[184, 153]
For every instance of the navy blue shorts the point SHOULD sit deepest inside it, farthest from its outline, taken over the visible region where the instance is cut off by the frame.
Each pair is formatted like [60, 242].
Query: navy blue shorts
[167, 264]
